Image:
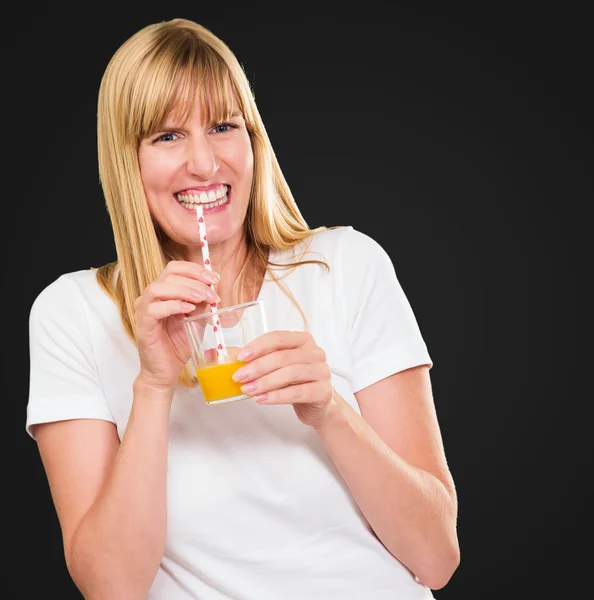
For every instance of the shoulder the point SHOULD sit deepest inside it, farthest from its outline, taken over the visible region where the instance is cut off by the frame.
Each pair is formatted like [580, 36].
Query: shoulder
[344, 236]
[349, 245]
[67, 292]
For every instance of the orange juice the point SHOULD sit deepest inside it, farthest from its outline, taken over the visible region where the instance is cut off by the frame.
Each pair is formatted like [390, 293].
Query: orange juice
[216, 383]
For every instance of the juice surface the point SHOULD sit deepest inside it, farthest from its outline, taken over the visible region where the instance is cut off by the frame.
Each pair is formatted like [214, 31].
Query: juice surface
[216, 383]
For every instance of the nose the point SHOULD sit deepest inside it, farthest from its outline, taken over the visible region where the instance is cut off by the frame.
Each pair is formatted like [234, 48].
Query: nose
[201, 161]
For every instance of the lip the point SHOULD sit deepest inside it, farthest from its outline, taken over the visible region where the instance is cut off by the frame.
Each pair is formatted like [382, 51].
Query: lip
[209, 211]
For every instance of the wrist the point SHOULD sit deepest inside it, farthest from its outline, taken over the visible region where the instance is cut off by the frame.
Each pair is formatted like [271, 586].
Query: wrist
[335, 413]
[143, 387]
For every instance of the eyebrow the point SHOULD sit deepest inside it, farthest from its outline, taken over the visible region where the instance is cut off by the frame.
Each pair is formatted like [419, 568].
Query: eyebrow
[235, 115]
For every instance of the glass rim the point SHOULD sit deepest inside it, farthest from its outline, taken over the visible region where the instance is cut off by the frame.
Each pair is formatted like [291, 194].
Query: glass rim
[209, 313]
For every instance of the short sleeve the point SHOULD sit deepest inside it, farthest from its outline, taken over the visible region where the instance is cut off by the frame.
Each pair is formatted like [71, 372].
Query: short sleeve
[63, 379]
[384, 335]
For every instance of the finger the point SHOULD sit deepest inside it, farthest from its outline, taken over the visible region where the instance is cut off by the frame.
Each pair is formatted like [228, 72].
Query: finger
[211, 355]
[189, 269]
[208, 289]
[315, 392]
[167, 308]
[159, 291]
[277, 360]
[272, 341]
[292, 375]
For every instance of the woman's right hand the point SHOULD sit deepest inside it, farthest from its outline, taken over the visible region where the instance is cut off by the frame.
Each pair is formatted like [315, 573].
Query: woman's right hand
[181, 288]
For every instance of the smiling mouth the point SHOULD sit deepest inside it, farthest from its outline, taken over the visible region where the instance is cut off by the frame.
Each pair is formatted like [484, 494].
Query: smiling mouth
[212, 199]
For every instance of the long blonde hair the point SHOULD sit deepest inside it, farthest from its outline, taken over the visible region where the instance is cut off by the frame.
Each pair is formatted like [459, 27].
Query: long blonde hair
[167, 68]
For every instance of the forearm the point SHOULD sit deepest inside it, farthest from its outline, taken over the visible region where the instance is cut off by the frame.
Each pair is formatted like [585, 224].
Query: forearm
[117, 548]
[410, 510]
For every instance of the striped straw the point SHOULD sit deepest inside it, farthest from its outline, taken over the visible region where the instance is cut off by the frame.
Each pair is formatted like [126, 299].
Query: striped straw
[221, 347]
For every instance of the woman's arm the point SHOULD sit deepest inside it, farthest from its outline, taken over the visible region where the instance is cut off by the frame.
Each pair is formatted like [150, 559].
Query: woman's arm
[393, 462]
[110, 498]
[391, 457]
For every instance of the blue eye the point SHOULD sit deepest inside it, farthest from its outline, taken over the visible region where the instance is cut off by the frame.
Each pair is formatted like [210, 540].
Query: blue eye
[224, 127]
[166, 137]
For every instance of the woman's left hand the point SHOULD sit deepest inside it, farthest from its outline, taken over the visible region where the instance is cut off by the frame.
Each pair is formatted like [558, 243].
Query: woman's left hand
[288, 367]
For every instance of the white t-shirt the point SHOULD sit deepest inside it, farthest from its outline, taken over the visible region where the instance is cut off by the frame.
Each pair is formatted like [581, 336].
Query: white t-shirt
[256, 508]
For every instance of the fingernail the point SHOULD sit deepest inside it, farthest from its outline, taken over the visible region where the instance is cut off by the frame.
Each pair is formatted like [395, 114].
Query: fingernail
[245, 354]
[240, 375]
[212, 276]
[248, 388]
[210, 295]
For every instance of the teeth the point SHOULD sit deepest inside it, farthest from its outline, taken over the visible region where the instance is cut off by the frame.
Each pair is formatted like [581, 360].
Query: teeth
[191, 201]
[206, 198]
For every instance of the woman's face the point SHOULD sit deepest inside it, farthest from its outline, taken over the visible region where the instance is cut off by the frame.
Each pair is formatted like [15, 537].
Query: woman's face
[207, 163]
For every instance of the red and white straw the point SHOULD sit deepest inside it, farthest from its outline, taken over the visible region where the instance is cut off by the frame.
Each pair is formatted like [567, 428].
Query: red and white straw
[221, 347]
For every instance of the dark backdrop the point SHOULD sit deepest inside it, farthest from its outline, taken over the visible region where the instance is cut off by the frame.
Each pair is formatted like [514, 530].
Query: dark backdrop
[459, 140]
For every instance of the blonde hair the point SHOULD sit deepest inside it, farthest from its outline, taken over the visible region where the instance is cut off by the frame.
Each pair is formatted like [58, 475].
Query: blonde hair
[163, 69]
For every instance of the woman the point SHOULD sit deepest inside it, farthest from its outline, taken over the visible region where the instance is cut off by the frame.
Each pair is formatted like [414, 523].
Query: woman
[331, 482]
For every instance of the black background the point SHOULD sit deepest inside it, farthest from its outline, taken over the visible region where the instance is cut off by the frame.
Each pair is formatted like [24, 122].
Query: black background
[459, 140]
